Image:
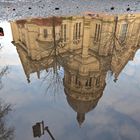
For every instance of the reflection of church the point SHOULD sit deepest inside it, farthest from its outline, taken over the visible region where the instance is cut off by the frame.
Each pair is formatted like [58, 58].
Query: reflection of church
[86, 47]
[84, 82]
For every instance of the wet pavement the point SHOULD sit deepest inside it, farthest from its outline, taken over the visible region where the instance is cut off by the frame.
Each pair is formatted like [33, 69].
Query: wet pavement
[18, 9]
[70, 77]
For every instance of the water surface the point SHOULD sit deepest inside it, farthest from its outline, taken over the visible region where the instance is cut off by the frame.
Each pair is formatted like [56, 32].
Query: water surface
[79, 74]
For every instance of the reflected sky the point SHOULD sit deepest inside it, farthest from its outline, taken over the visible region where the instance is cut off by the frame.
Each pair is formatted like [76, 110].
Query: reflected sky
[113, 114]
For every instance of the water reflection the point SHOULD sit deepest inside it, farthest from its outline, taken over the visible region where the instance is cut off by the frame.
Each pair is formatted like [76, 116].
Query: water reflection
[3, 72]
[86, 47]
[39, 129]
[6, 133]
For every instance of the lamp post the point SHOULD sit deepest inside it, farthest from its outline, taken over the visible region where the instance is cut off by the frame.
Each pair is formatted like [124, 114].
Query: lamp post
[39, 130]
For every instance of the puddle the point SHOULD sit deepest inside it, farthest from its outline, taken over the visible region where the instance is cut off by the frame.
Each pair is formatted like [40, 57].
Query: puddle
[72, 77]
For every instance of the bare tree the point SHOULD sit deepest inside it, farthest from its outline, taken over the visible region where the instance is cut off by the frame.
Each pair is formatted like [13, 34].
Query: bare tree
[6, 133]
[3, 71]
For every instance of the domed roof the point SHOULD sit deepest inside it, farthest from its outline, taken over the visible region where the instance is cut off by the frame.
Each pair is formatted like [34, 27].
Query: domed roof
[81, 106]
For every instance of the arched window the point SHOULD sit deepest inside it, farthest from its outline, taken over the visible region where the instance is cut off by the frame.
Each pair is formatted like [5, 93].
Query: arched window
[123, 32]
[45, 33]
[97, 32]
[76, 80]
[64, 32]
[97, 82]
[89, 82]
[77, 31]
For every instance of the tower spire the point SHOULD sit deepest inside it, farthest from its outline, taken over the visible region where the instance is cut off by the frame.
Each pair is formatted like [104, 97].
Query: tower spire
[80, 118]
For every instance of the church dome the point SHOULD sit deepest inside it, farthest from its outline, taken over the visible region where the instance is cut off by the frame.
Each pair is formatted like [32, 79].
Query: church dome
[81, 106]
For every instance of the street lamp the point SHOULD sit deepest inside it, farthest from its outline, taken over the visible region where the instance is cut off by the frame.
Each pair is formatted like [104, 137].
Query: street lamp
[39, 129]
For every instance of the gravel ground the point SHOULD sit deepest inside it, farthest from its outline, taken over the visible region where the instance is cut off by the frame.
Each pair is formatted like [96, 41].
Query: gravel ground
[17, 9]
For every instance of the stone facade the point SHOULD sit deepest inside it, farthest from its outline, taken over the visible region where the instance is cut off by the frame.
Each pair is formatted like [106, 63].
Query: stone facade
[100, 33]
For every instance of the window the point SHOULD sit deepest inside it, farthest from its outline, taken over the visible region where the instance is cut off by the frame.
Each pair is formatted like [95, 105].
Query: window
[77, 82]
[97, 32]
[135, 29]
[77, 31]
[64, 32]
[97, 81]
[123, 32]
[45, 33]
[74, 36]
[23, 39]
[89, 82]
